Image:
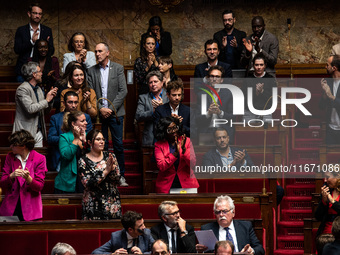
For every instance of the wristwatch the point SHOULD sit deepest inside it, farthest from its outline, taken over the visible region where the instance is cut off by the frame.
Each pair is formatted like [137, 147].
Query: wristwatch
[184, 232]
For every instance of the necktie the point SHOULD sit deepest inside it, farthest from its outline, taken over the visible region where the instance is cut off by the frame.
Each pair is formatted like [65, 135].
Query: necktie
[228, 236]
[173, 242]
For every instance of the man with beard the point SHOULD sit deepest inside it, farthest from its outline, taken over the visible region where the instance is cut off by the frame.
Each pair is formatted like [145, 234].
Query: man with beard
[174, 230]
[26, 36]
[133, 239]
[240, 233]
[230, 41]
[260, 41]
[174, 108]
[223, 155]
[330, 100]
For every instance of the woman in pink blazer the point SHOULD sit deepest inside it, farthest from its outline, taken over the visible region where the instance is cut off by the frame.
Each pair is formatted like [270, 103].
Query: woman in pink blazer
[174, 153]
[23, 178]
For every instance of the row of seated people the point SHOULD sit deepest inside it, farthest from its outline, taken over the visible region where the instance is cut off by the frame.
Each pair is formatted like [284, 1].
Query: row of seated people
[179, 235]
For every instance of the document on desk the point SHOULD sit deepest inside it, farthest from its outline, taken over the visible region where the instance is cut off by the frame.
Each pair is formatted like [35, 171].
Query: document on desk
[207, 238]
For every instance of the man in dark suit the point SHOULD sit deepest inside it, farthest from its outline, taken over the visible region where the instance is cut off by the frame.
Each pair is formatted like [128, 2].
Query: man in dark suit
[26, 36]
[107, 79]
[230, 41]
[260, 41]
[240, 233]
[133, 239]
[330, 100]
[71, 101]
[224, 155]
[175, 92]
[174, 230]
[212, 50]
[218, 106]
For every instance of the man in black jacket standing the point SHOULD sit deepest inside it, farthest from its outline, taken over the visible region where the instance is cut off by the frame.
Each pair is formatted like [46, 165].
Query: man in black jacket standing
[230, 40]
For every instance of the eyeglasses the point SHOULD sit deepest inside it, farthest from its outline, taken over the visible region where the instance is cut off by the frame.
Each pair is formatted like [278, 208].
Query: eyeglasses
[37, 13]
[172, 129]
[222, 211]
[174, 213]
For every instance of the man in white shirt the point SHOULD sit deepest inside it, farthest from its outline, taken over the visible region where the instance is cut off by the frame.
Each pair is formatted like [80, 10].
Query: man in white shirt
[240, 233]
[330, 100]
[26, 36]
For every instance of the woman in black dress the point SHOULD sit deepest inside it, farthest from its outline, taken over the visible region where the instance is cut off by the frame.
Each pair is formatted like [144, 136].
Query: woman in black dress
[99, 173]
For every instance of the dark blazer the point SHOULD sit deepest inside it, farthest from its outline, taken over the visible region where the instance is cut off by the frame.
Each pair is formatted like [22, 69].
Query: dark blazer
[259, 101]
[239, 35]
[321, 214]
[227, 107]
[23, 45]
[332, 248]
[144, 113]
[185, 244]
[212, 158]
[55, 131]
[164, 110]
[326, 103]
[270, 49]
[117, 89]
[201, 70]
[119, 240]
[165, 48]
[244, 233]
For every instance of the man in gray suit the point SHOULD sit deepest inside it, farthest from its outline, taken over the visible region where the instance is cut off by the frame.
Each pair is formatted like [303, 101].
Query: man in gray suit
[108, 81]
[260, 41]
[31, 104]
[147, 104]
[133, 239]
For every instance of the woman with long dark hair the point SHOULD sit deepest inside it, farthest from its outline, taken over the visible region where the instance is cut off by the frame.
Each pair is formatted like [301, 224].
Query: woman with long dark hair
[147, 62]
[99, 174]
[163, 38]
[87, 96]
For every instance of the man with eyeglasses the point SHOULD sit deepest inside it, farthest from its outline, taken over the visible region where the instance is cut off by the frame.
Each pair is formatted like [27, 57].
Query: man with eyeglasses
[174, 108]
[135, 238]
[230, 41]
[174, 230]
[240, 233]
[26, 36]
[31, 104]
[217, 103]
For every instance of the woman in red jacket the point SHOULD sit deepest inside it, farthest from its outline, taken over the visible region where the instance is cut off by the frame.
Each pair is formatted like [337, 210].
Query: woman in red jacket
[174, 154]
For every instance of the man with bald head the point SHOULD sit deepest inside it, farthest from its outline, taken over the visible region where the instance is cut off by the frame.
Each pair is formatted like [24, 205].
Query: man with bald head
[224, 248]
[159, 247]
[260, 41]
[240, 233]
[330, 100]
[107, 79]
